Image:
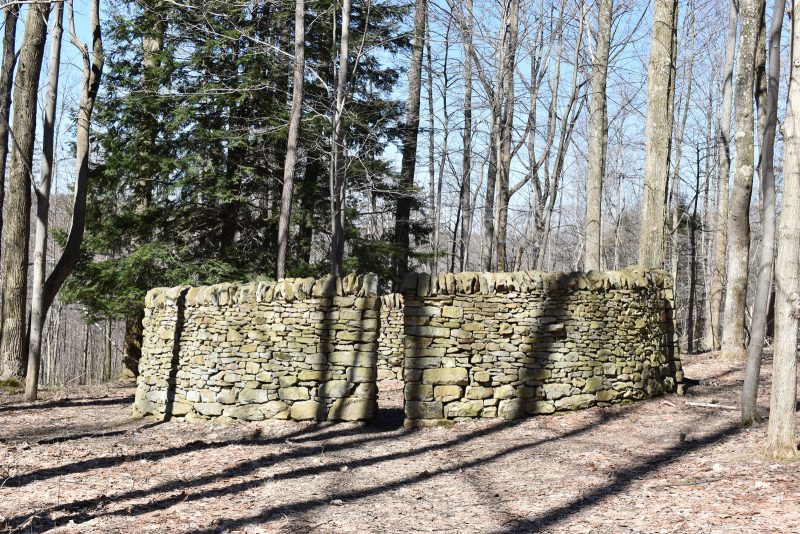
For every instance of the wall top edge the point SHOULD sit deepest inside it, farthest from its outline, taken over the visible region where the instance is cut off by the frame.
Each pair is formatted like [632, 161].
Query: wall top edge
[413, 285]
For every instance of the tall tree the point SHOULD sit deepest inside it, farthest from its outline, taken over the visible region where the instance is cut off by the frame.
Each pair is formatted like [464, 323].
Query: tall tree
[781, 437]
[658, 133]
[678, 148]
[290, 165]
[598, 138]
[766, 258]
[445, 137]
[6, 84]
[507, 99]
[338, 176]
[43, 206]
[466, 157]
[93, 59]
[716, 290]
[18, 201]
[409, 150]
[738, 253]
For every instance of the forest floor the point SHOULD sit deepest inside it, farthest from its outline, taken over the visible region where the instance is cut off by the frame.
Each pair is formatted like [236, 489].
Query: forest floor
[77, 462]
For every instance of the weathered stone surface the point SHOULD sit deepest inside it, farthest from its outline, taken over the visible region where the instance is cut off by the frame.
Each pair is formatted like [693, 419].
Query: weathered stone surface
[479, 392]
[287, 381]
[254, 396]
[537, 407]
[511, 409]
[293, 393]
[275, 410]
[453, 312]
[504, 392]
[468, 408]
[456, 375]
[248, 412]
[308, 410]
[352, 409]
[209, 408]
[361, 374]
[417, 391]
[317, 376]
[607, 395]
[593, 384]
[487, 344]
[228, 396]
[142, 406]
[447, 393]
[557, 390]
[481, 377]
[335, 389]
[575, 401]
[423, 409]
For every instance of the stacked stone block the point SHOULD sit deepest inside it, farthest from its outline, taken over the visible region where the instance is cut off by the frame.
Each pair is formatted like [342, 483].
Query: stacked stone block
[514, 344]
[301, 349]
[390, 340]
[467, 346]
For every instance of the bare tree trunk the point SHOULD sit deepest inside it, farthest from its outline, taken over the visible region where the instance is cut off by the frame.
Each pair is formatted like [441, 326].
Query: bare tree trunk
[107, 353]
[6, 84]
[132, 344]
[437, 216]
[598, 140]
[733, 343]
[52, 344]
[676, 167]
[466, 165]
[92, 71]
[18, 202]
[43, 208]
[692, 224]
[567, 126]
[781, 437]
[713, 324]
[658, 134]
[487, 251]
[431, 135]
[410, 132]
[84, 376]
[338, 178]
[766, 258]
[507, 98]
[290, 164]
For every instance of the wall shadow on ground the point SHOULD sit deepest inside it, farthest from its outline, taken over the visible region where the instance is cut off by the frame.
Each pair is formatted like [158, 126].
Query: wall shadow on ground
[306, 434]
[67, 403]
[175, 492]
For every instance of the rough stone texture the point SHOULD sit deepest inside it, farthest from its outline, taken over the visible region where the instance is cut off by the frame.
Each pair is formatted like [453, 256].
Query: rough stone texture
[303, 349]
[390, 339]
[468, 345]
[510, 345]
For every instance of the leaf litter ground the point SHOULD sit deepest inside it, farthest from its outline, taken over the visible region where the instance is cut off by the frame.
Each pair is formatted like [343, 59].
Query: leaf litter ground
[76, 461]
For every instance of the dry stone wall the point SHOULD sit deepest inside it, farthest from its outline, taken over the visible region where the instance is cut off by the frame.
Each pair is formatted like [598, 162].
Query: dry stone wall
[390, 338]
[526, 343]
[466, 346]
[298, 349]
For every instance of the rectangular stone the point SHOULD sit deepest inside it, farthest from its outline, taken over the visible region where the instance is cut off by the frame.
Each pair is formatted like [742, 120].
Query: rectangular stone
[423, 363]
[427, 331]
[357, 375]
[455, 375]
[424, 409]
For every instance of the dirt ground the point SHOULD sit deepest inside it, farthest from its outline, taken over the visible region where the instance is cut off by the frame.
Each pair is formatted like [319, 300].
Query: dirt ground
[77, 462]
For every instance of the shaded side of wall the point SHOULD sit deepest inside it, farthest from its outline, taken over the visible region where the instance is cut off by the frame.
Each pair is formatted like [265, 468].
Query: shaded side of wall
[514, 344]
[299, 349]
[390, 342]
